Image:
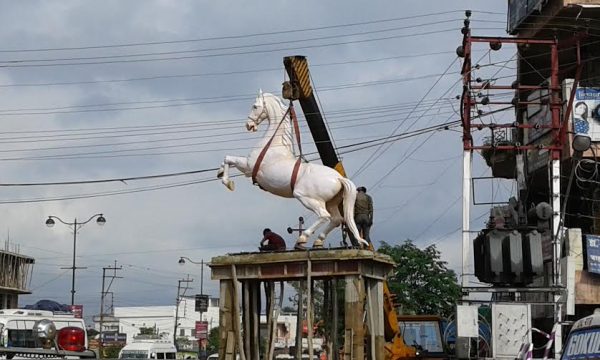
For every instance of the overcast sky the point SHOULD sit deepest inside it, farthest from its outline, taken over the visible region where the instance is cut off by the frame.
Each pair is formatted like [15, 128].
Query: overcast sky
[114, 89]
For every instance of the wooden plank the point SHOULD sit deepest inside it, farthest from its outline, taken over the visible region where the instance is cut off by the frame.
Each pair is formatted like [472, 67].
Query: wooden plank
[236, 312]
[354, 314]
[226, 343]
[230, 346]
[348, 345]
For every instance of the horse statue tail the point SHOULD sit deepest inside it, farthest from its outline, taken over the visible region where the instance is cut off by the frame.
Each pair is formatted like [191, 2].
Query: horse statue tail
[349, 200]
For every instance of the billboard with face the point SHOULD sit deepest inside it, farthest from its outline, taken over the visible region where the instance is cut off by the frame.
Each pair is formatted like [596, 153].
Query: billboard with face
[586, 112]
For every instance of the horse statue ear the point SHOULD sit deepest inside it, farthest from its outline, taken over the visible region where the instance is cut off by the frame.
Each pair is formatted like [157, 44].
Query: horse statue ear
[260, 93]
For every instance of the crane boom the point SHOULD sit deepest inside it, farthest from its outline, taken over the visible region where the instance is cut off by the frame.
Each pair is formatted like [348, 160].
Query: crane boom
[300, 88]
[297, 70]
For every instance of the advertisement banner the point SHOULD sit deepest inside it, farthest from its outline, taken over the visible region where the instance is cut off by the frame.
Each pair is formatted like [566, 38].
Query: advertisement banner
[201, 304]
[77, 310]
[201, 330]
[586, 112]
[592, 243]
[110, 337]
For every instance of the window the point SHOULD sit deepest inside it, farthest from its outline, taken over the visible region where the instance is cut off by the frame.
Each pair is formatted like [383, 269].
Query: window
[171, 355]
[21, 338]
[424, 333]
[181, 332]
[160, 355]
[134, 354]
[194, 332]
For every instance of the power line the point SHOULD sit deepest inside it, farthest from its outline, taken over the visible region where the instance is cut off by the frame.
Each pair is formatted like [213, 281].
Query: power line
[151, 188]
[187, 101]
[119, 153]
[123, 180]
[339, 43]
[377, 153]
[240, 36]
[236, 47]
[120, 129]
[249, 71]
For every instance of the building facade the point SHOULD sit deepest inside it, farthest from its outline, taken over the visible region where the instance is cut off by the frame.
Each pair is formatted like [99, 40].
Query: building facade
[15, 275]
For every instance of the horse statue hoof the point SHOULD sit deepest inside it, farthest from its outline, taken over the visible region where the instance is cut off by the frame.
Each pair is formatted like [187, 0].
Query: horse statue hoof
[230, 185]
[318, 244]
[300, 246]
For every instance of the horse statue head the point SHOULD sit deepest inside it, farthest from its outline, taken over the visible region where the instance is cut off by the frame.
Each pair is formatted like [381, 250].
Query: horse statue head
[258, 113]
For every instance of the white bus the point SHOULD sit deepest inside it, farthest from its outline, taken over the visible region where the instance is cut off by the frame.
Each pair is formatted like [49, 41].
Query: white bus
[149, 349]
[584, 339]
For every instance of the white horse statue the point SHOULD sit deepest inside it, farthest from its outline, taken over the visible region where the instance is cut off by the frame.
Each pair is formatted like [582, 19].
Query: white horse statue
[319, 188]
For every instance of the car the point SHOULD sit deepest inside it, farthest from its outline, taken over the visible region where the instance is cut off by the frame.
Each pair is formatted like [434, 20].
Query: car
[42, 333]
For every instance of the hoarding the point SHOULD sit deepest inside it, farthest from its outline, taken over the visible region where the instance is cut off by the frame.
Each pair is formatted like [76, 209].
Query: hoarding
[77, 310]
[592, 245]
[586, 112]
[110, 337]
[201, 304]
[201, 330]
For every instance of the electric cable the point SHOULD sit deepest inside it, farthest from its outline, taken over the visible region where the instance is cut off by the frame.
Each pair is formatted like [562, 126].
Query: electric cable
[249, 52]
[236, 47]
[240, 36]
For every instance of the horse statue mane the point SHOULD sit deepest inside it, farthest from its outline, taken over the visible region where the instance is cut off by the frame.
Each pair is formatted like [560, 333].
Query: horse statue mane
[274, 166]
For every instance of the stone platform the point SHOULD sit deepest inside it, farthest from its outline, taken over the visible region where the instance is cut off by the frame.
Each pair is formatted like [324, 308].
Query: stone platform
[293, 265]
[361, 273]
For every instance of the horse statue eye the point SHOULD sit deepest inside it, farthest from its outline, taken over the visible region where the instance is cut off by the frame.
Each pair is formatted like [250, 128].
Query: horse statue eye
[254, 107]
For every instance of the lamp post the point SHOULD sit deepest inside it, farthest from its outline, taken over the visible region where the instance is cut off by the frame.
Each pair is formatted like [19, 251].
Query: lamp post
[75, 225]
[181, 261]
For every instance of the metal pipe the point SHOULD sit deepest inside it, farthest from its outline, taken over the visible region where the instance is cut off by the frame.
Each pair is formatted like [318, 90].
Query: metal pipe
[467, 157]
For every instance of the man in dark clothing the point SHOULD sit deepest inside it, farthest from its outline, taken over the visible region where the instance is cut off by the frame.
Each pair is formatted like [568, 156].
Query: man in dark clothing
[271, 241]
[363, 212]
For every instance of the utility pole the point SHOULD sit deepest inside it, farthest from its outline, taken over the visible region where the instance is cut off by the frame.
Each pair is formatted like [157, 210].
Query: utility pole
[103, 294]
[186, 281]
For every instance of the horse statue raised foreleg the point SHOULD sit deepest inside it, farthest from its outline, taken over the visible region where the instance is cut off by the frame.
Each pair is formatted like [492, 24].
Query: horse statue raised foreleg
[239, 162]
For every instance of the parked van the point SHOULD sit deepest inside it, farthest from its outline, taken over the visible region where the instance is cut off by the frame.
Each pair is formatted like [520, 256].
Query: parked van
[149, 349]
[584, 339]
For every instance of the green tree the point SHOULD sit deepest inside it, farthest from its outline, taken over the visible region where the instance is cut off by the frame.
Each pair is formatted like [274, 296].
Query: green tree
[212, 345]
[111, 352]
[421, 280]
[183, 343]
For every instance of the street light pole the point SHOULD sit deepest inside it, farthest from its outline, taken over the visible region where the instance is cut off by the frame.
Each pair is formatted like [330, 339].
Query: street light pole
[74, 266]
[75, 226]
[182, 260]
[201, 281]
